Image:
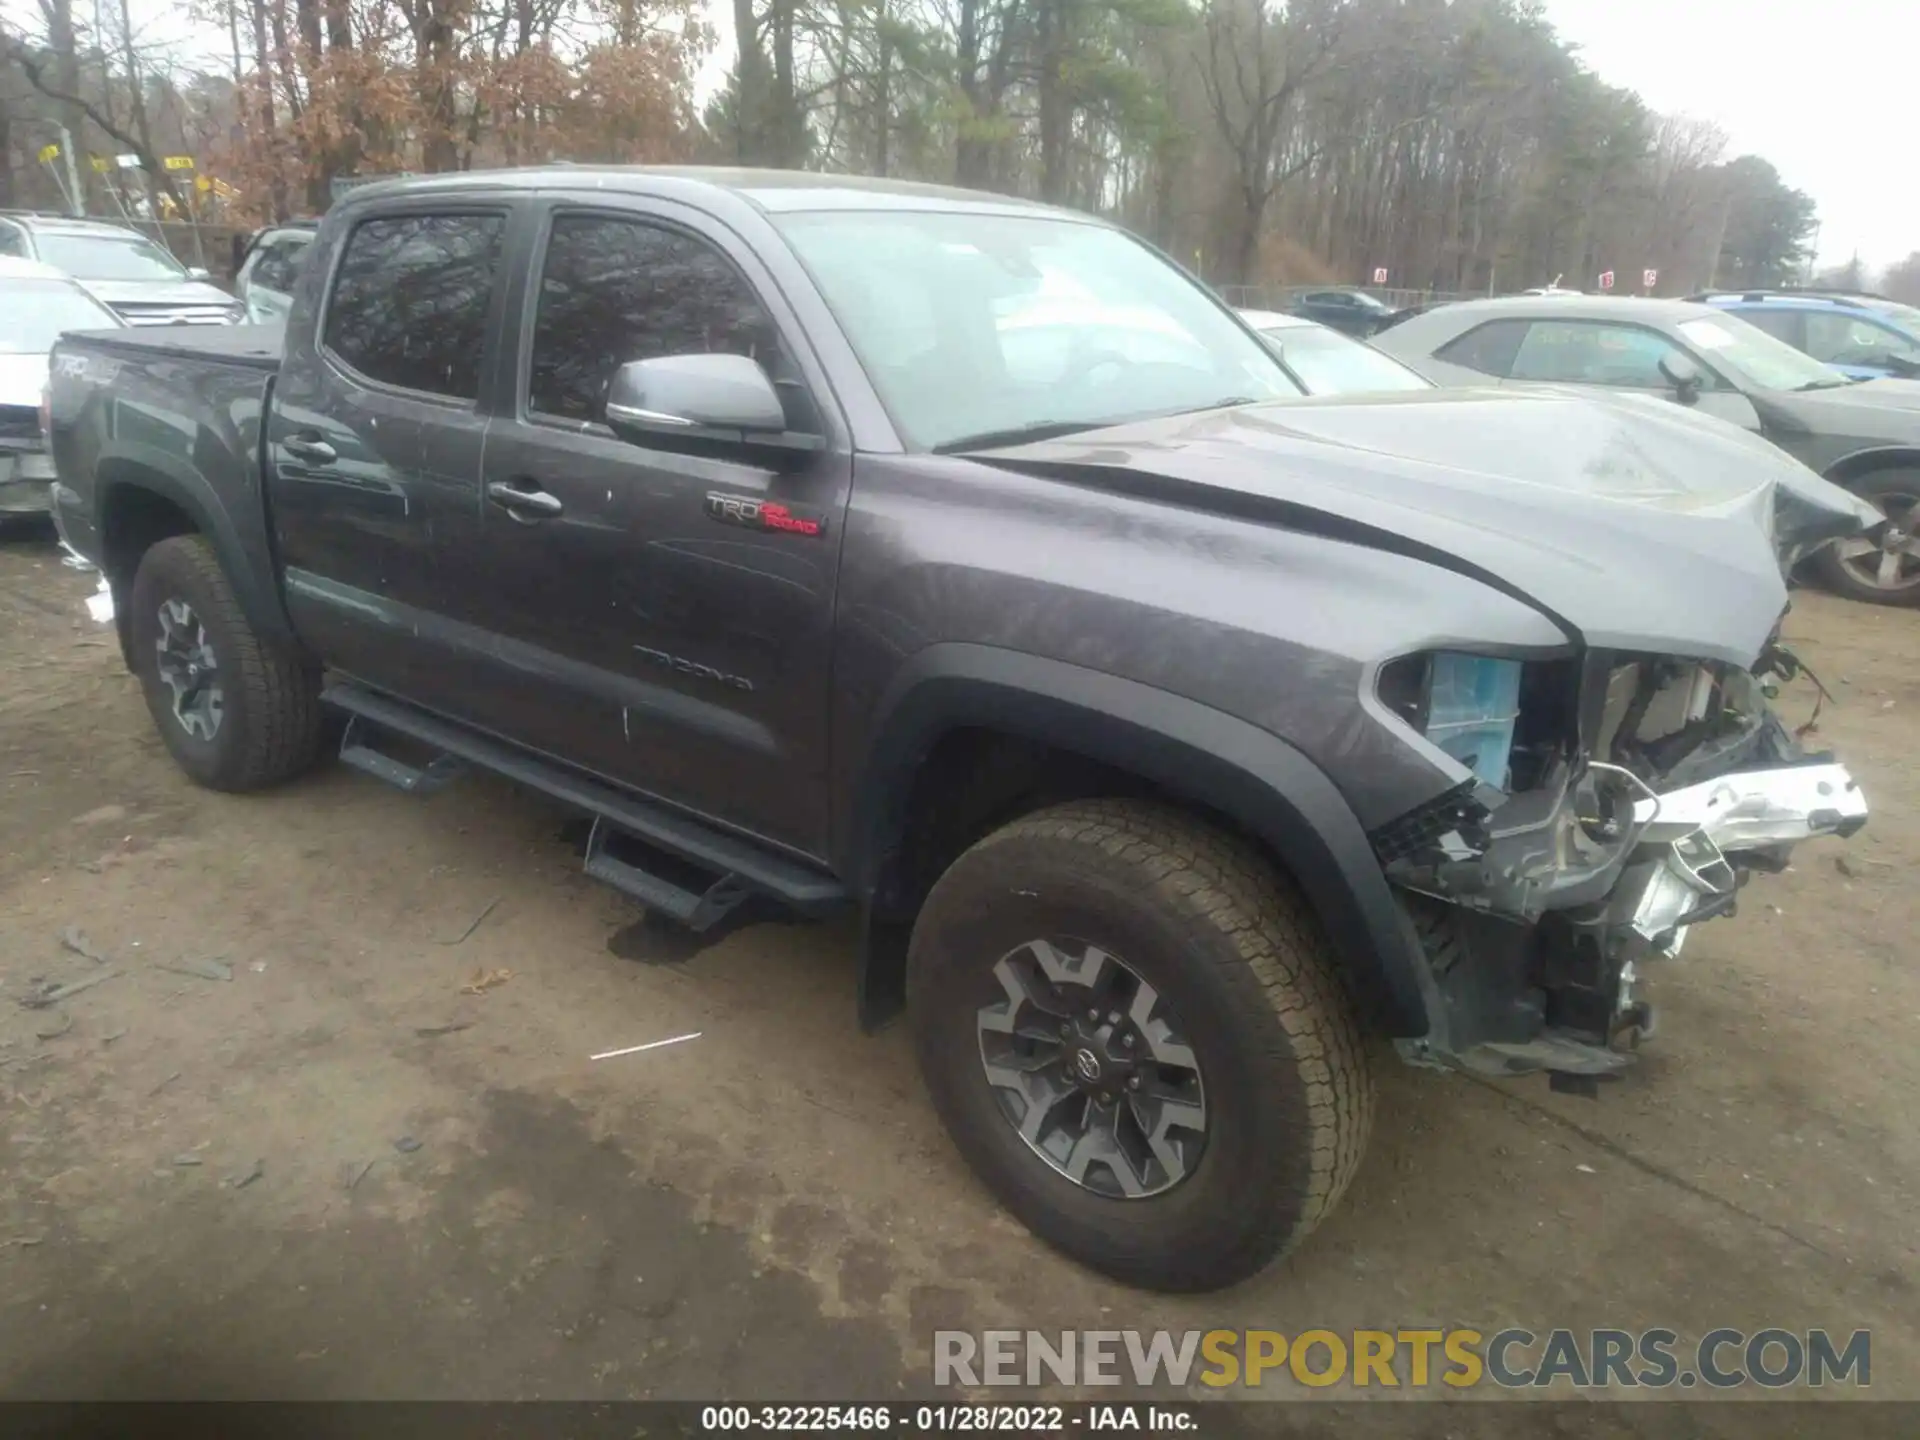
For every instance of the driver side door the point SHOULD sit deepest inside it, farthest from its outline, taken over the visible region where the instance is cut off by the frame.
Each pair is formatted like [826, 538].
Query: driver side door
[630, 610]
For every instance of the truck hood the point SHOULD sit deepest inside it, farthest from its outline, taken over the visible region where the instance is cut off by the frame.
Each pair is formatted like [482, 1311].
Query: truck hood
[144, 293]
[1633, 529]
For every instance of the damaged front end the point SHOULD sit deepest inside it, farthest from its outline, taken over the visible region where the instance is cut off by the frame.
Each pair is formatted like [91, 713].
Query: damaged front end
[1617, 800]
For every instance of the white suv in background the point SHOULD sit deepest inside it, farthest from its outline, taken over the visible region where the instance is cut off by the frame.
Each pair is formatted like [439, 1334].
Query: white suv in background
[141, 282]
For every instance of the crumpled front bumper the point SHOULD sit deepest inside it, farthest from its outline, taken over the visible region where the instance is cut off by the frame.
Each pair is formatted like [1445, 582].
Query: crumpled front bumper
[1753, 817]
[1552, 987]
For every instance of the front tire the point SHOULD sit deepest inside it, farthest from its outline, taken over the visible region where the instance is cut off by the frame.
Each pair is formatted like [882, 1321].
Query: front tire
[1884, 572]
[236, 711]
[1132, 1029]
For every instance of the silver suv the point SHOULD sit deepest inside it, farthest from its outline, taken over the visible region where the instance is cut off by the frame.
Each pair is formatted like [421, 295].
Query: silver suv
[138, 279]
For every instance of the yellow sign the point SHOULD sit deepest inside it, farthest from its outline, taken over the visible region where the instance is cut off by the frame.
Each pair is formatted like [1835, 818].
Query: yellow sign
[202, 184]
[49, 153]
[178, 162]
[101, 163]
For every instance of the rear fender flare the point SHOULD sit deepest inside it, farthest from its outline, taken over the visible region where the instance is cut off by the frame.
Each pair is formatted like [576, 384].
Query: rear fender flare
[144, 468]
[1184, 748]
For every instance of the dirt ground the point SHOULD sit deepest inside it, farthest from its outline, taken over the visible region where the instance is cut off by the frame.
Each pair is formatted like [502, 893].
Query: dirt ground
[770, 1210]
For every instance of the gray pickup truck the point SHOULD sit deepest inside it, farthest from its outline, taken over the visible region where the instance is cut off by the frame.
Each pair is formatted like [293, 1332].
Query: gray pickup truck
[965, 563]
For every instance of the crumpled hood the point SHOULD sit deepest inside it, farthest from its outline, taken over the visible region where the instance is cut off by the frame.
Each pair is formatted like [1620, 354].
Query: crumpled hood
[1637, 529]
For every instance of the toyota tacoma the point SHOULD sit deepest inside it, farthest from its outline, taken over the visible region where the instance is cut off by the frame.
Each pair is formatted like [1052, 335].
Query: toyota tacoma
[1177, 739]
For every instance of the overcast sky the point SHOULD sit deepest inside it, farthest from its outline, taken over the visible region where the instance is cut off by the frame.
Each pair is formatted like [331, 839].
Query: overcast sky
[1828, 90]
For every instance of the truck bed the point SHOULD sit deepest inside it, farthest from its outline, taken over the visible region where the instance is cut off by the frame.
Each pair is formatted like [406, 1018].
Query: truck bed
[255, 347]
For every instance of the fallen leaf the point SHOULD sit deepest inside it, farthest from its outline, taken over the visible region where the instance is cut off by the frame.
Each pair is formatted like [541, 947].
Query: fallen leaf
[485, 980]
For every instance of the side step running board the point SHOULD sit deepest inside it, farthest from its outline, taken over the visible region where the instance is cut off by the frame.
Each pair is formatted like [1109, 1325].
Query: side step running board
[741, 866]
[357, 750]
[697, 910]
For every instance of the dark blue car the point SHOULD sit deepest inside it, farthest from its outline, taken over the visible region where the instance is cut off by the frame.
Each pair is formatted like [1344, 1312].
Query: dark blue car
[1863, 337]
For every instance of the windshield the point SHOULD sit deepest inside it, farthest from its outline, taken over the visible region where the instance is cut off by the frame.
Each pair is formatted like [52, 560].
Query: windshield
[1756, 356]
[108, 257]
[975, 326]
[1328, 363]
[35, 313]
[1905, 316]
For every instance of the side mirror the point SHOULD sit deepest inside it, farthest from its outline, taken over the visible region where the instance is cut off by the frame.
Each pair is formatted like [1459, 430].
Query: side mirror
[199, 272]
[700, 400]
[1683, 375]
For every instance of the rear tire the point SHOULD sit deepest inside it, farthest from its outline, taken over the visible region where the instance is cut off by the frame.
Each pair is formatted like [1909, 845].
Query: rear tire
[1233, 959]
[236, 711]
[1884, 574]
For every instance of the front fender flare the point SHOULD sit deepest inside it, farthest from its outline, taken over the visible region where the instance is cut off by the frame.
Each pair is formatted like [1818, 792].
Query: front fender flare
[1184, 748]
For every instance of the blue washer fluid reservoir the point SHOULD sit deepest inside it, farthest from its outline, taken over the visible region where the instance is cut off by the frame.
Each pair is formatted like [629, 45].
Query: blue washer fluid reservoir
[1472, 701]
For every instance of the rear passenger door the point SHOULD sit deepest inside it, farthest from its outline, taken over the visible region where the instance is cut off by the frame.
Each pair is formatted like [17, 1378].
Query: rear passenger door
[635, 622]
[375, 433]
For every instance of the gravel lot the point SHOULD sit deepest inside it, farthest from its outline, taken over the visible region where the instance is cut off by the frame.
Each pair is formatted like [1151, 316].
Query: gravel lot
[770, 1210]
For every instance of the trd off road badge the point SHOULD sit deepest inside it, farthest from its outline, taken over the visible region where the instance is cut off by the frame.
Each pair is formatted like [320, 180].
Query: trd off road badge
[769, 515]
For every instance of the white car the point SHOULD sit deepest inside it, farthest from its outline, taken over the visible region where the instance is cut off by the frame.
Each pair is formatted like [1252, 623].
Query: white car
[271, 265]
[1325, 362]
[38, 304]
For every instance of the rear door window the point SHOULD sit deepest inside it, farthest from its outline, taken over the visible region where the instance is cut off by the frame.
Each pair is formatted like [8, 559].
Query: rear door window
[1488, 348]
[1782, 324]
[276, 264]
[410, 303]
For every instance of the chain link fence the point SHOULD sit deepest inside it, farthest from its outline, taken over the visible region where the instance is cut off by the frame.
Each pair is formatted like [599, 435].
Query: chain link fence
[1281, 297]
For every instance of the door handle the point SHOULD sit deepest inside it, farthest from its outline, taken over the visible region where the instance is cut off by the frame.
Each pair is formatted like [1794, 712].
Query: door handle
[310, 448]
[524, 505]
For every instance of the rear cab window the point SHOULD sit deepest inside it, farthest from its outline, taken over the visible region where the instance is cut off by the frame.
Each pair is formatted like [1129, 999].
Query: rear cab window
[411, 298]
